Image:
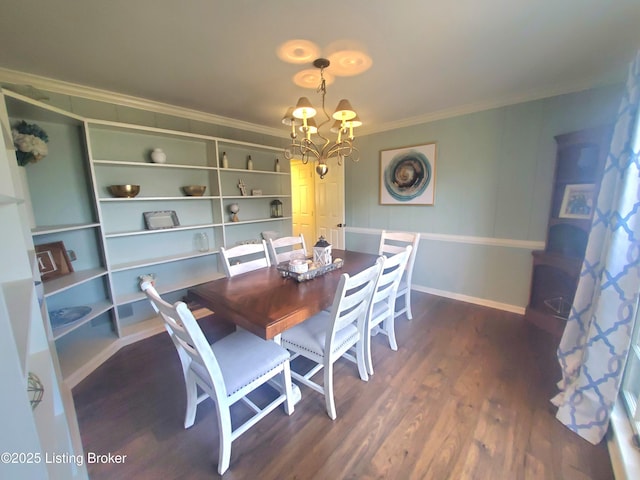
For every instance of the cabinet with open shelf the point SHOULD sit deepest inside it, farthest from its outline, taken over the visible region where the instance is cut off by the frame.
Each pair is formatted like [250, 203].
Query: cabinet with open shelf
[63, 209]
[580, 159]
[107, 238]
[254, 191]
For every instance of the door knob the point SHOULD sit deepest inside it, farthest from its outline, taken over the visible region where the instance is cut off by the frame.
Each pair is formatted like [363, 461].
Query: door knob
[341, 225]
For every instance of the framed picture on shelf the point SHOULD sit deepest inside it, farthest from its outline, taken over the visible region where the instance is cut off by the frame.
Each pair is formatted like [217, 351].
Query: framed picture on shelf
[578, 201]
[408, 175]
[161, 219]
[53, 260]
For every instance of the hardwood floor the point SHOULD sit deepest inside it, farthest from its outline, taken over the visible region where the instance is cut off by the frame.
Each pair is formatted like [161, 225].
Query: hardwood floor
[466, 396]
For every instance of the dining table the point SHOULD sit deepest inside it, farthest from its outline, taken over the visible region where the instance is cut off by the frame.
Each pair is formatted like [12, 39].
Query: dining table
[267, 303]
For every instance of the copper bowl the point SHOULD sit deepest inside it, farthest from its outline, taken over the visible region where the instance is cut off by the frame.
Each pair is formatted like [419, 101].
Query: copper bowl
[194, 190]
[124, 191]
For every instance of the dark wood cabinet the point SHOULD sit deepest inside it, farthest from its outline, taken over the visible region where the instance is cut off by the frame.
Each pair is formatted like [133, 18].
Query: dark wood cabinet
[580, 161]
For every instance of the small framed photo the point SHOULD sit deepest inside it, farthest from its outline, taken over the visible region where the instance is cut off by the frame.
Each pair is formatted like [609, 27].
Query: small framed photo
[408, 175]
[578, 201]
[53, 260]
[161, 219]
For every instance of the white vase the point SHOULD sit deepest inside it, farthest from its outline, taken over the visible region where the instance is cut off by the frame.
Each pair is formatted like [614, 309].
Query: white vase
[158, 156]
[249, 163]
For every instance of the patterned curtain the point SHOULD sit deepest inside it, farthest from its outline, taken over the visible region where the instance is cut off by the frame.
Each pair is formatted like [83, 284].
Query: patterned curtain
[594, 346]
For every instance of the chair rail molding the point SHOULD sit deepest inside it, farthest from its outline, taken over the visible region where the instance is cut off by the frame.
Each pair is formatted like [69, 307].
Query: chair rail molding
[468, 239]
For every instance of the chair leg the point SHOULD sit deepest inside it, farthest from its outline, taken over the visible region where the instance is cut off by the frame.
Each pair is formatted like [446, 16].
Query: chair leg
[288, 391]
[407, 299]
[328, 389]
[367, 355]
[361, 357]
[390, 329]
[192, 401]
[225, 432]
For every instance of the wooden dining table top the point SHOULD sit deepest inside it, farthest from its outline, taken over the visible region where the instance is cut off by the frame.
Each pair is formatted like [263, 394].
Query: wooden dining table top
[266, 303]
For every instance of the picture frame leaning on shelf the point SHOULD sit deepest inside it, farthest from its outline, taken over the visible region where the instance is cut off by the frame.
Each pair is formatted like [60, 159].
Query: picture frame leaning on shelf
[53, 260]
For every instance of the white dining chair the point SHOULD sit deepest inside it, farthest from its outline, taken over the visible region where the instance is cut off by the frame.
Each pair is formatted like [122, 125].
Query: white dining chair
[328, 335]
[383, 302]
[225, 371]
[284, 248]
[395, 242]
[244, 258]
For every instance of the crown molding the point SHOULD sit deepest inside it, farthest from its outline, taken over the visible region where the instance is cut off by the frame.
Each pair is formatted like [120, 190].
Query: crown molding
[73, 89]
[76, 90]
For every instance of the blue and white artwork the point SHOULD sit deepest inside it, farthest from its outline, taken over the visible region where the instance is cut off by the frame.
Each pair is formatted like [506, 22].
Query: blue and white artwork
[407, 175]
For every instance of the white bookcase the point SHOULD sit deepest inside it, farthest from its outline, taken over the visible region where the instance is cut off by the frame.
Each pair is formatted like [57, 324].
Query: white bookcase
[70, 202]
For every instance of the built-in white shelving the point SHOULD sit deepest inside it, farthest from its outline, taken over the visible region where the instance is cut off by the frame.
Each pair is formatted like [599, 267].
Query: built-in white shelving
[71, 203]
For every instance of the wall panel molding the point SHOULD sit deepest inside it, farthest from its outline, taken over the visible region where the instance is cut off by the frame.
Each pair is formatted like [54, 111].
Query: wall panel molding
[471, 240]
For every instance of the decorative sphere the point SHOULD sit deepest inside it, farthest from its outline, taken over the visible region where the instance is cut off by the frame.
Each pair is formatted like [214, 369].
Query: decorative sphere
[234, 208]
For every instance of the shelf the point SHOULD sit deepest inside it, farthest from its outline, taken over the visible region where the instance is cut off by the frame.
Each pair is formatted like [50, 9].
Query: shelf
[161, 230]
[545, 319]
[253, 197]
[156, 261]
[48, 229]
[152, 165]
[154, 199]
[244, 170]
[137, 296]
[257, 221]
[143, 329]
[61, 284]
[96, 310]
[84, 350]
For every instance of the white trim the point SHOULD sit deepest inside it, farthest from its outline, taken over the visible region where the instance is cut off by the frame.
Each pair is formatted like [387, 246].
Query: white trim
[92, 364]
[625, 458]
[74, 89]
[469, 299]
[443, 237]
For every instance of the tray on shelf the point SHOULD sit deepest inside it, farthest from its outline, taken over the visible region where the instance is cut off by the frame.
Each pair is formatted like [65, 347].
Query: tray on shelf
[313, 272]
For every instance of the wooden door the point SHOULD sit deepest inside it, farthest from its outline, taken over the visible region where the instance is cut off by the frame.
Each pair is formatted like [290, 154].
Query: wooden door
[303, 201]
[330, 205]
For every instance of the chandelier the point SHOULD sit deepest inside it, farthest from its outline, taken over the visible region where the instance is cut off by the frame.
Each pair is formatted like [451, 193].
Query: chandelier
[302, 116]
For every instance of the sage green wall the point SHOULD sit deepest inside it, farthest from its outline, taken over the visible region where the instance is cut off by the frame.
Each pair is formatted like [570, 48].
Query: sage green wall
[494, 172]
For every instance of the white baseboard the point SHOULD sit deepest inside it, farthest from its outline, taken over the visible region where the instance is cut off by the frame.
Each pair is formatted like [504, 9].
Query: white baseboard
[469, 299]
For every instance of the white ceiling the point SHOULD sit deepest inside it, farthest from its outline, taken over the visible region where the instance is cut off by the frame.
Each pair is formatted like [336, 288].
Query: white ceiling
[430, 57]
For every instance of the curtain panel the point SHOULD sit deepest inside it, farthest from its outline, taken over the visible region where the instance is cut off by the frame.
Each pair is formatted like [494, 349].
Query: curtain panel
[595, 343]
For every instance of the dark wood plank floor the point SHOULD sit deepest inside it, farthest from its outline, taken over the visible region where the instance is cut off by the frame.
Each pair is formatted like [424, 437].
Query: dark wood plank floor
[465, 397]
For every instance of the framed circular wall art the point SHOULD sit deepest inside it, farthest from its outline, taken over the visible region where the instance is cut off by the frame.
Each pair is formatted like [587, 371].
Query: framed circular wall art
[407, 175]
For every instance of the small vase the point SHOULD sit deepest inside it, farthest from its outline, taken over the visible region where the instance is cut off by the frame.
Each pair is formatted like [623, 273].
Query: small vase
[202, 242]
[249, 163]
[158, 156]
[225, 160]
[277, 167]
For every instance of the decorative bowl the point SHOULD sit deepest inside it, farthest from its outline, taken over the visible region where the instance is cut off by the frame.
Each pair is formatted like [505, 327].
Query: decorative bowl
[124, 191]
[194, 190]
